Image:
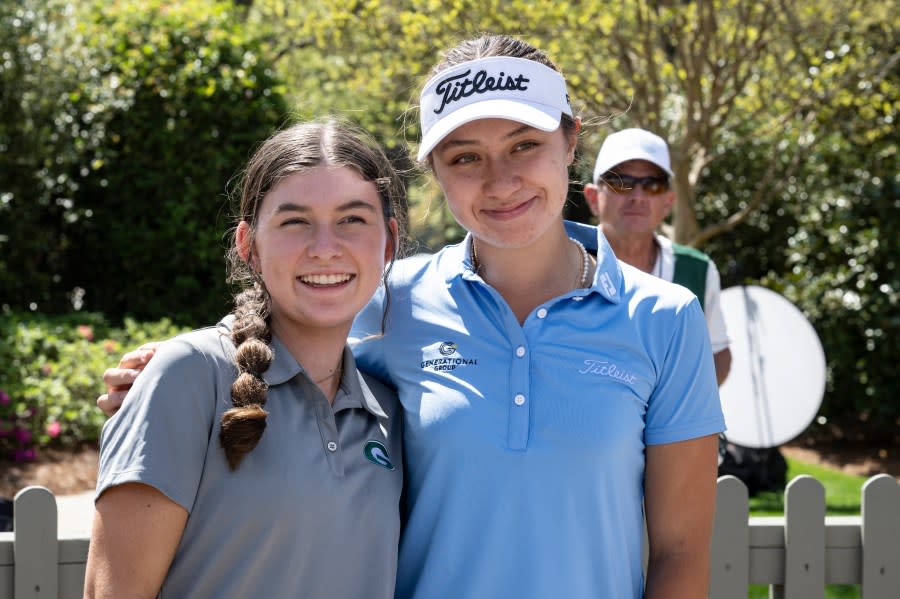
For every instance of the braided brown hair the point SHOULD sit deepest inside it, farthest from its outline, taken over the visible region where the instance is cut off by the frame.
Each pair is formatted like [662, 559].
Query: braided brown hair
[298, 148]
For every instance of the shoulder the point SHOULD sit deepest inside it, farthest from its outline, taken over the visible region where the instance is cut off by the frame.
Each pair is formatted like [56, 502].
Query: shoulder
[647, 293]
[689, 252]
[422, 268]
[186, 355]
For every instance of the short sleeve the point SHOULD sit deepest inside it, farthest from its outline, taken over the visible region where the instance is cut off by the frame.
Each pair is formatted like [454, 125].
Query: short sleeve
[715, 320]
[685, 402]
[160, 435]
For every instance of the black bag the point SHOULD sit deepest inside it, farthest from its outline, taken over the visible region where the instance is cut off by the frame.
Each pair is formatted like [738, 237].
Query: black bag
[761, 469]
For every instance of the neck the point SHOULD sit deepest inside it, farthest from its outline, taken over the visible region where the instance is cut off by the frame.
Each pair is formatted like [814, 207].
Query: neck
[528, 276]
[639, 251]
[319, 351]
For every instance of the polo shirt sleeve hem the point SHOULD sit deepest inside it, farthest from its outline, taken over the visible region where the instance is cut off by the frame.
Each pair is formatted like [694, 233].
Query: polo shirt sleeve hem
[709, 426]
[137, 475]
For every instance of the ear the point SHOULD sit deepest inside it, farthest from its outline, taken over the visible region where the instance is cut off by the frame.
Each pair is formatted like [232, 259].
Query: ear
[669, 201]
[242, 240]
[395, 234]
[573, 141]
[592, 195]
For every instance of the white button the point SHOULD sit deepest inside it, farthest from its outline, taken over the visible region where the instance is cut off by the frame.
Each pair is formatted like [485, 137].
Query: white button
[519, 399]
[520, 351]
[332, 446]
[542, 313]
[577, 298]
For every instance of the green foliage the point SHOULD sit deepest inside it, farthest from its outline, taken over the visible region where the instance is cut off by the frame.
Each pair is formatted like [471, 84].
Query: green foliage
[121, 122]
[51, 372]
[828, 237]
[832, 591]
[843, 492]
[157, 105]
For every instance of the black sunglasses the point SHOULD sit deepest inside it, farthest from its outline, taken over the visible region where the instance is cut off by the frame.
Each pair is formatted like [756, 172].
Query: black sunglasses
[624, 183]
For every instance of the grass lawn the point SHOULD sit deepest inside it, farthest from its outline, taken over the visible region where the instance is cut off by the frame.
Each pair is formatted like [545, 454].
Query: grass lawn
[842, 491]
[842, 498]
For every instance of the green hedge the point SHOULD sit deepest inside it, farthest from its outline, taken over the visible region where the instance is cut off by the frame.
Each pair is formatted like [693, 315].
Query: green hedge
[51, 374]
[123, 123]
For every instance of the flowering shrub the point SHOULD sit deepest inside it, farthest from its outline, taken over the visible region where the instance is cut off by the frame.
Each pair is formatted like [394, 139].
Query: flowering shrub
[51, 372]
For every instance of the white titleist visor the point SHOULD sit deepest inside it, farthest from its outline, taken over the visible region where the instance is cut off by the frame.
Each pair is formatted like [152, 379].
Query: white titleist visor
[498, 87]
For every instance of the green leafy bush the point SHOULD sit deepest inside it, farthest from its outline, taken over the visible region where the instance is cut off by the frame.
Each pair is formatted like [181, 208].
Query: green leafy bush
[122, 124]
[51, 374]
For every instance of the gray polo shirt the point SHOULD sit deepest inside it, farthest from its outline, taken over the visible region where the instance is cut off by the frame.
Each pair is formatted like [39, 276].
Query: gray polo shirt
[313, 510]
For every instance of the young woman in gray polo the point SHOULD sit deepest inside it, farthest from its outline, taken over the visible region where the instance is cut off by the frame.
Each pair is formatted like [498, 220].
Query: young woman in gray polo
[252, 458]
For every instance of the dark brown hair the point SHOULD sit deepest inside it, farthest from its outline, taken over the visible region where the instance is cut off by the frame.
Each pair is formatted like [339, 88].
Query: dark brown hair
[298, 148]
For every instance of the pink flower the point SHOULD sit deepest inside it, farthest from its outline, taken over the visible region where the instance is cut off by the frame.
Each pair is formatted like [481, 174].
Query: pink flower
[53, 429]
[4, 398]
[110, 346]
[86, 331]
[47, 369]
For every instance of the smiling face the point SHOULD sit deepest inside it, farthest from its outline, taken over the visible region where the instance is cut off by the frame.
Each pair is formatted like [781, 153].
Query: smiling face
[321, 244]
[632, 213]
[504, 181]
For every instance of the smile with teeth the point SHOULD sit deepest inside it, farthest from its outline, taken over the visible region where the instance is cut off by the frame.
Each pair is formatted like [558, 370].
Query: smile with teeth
[325, 279]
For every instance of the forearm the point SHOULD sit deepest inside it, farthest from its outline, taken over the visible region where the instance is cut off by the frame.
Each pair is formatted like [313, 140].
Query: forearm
[678, 576]
[722, 360]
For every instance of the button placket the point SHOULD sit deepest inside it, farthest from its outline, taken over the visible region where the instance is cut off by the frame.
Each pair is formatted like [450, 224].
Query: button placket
[518, 410]
[329, 433]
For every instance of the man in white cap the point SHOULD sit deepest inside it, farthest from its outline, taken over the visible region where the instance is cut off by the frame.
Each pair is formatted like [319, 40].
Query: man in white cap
[630, 196]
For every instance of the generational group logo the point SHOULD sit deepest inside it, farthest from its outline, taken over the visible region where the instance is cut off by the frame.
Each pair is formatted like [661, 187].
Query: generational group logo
[446, 358]
[457, 87]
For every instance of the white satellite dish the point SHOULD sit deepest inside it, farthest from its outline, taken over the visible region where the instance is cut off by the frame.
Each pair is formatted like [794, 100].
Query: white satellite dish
[777, 376]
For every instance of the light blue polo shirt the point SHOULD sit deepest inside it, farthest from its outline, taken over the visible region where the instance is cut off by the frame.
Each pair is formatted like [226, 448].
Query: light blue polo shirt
[524, 445]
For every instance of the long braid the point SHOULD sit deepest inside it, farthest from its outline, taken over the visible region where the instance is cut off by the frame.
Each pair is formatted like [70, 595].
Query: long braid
[243, 424]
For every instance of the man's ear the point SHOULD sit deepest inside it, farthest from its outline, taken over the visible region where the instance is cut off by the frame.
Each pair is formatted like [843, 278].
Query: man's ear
[669, 201]
[591, 195]
[243, 242]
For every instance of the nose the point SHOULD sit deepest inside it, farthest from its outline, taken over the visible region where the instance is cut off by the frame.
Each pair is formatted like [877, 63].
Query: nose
[325, 243]
[501, 178]
[636, 193]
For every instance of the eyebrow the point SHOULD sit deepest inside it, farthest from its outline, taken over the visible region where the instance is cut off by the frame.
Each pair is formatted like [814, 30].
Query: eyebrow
[351, 205]
[467, 142]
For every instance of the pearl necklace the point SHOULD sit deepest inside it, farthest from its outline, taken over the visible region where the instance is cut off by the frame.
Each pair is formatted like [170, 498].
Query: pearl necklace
[582, 280]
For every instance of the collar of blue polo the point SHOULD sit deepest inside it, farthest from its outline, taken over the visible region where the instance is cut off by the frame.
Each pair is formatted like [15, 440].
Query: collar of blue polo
[501, 87]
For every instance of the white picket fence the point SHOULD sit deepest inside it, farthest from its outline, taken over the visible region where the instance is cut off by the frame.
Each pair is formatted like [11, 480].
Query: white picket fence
[796, 555]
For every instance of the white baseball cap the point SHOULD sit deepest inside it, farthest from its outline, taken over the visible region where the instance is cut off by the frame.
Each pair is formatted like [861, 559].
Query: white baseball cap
[500, 87]
[632, 144]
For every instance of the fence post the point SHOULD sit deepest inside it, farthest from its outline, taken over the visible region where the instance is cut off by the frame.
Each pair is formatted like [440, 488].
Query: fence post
[35, 551]
[880, 531]
[729, 573]
[804, 540]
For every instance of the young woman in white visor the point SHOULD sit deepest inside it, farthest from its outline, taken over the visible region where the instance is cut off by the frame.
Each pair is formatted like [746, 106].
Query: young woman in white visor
[552, 396]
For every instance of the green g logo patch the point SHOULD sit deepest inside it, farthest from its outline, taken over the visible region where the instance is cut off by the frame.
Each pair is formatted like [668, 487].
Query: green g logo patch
[377, 453]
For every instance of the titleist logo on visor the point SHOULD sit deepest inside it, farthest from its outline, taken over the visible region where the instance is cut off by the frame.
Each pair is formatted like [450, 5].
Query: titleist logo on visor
[460, 86]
